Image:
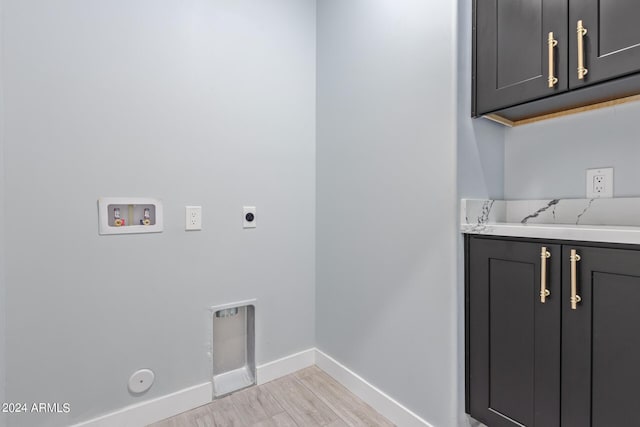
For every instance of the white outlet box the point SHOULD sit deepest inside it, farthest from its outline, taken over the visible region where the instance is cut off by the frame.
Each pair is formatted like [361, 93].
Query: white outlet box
[599, 183]
[193, 217]
[249, 217]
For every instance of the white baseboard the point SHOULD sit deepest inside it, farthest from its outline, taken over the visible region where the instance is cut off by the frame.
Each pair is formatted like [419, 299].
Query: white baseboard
[374, 397]
[285, 366]
[151, 411]
[157, 409]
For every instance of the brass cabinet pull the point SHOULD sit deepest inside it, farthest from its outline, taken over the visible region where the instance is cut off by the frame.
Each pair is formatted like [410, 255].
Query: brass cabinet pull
[582, 31]
[575, 298]
[544, 292]
[553, 80]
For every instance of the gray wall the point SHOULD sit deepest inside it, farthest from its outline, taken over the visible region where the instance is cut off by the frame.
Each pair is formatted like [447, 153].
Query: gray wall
[195, 102]
[548, 159]
[480, 170]
[386, 197]
[3, 368]
[480, 142]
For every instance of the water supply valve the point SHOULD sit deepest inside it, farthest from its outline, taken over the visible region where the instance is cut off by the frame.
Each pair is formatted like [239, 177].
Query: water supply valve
[117, 220]
[147, 217]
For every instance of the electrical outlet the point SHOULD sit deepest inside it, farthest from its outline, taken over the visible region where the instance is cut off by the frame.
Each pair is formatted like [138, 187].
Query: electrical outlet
[599, 183]
[193, 218]
[249, 217]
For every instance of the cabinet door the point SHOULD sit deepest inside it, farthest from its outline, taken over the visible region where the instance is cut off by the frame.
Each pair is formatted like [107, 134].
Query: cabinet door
[512, 54]
[513, 338]
[600, 339]
[612, 42]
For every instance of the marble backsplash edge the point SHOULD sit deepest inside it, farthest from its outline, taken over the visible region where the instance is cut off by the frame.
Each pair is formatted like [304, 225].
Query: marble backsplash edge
[481, 214]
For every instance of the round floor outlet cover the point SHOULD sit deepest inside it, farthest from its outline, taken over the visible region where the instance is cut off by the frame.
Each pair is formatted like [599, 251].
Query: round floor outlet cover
[141, 381]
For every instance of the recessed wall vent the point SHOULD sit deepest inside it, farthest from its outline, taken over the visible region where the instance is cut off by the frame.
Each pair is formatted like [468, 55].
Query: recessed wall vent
[229, 312]
[233, 349]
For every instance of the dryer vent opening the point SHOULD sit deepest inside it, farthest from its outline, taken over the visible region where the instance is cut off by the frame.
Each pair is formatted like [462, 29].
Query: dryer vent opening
[234, 365]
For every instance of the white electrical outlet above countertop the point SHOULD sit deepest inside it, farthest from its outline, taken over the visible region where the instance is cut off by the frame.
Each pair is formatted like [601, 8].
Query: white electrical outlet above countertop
[599, 183]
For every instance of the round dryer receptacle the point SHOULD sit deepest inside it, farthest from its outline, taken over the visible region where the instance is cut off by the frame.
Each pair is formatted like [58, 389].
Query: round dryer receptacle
[141, 381]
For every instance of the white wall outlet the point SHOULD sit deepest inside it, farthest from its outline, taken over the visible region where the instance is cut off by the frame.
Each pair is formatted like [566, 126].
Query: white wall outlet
[193, 218]
[599, 183]
[249, 217]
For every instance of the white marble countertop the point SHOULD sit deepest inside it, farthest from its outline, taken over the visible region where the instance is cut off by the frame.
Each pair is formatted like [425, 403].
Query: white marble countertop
[591, 220]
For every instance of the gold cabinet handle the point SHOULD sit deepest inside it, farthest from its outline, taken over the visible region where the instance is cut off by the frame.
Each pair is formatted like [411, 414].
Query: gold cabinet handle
[575, 298]
[544, 292]
[582, 31]
[552, 43]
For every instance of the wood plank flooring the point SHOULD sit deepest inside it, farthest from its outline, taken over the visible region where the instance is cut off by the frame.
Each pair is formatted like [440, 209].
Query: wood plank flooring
[307, 398]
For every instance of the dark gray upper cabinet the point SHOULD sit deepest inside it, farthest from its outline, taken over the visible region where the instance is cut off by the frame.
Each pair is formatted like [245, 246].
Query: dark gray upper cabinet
[512, 58]
[612, 40]
[512, 51]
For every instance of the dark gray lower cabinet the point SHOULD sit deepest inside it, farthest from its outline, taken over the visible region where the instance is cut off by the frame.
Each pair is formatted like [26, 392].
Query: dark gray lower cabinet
[514, 338]
[601, 340]
[547, 364]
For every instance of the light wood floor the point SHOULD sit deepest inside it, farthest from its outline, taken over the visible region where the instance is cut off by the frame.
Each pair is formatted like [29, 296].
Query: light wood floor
[307, 398]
